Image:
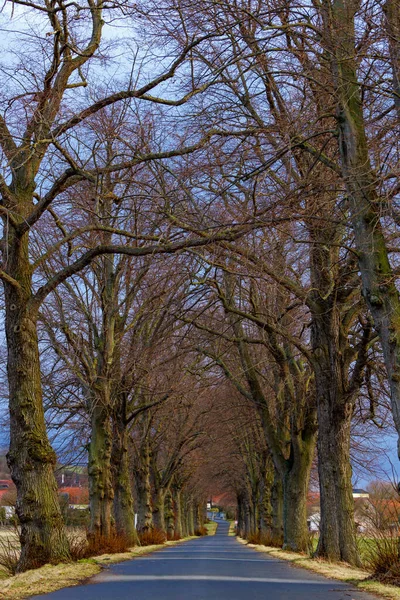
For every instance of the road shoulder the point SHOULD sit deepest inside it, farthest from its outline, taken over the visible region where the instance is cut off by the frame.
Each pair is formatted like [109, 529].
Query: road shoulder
[359, 578]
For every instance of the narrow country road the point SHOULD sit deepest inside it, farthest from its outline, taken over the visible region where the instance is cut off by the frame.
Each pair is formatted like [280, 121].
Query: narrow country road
[210, 568]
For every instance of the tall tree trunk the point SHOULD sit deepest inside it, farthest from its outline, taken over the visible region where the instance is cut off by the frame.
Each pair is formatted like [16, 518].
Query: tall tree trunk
[246, 517]
[177, 496]
[337, 539]
[101, 493]
[265, 505]
[124, 515]
[277, 509]
[190, 516]
[159, 509]
[295, 489]
[392, 12]
[378, 283]
[292, 475]
[169, 515]
[337, 528]
[31, 458]
[198, 517]
[143, 491]
[240, 516]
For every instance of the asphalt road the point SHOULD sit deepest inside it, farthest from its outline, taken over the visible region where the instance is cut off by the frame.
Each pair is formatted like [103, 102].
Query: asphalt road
[210, 568]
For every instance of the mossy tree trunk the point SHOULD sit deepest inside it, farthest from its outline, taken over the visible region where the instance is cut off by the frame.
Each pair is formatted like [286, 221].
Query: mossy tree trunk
[101, 491]
[31, 458]
[337, 539]
[188, 509]
[336, 397]
[392, 13]
[277, 509]
[143, 490]
[265, 524]
[169, 515]
[295, 489]
[378, 283]
[124, 515]
[338, 364]
[177, 497]
[159, 508]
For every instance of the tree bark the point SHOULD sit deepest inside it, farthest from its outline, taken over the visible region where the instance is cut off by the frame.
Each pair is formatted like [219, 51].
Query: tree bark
[124, 515]
[392, 13]
[177, 496]
[337, 528]
[143, 490]
[159, 509]
[378, 283]
[169, 515]
[295, 489]
[31, 458]
[189, 517]
[337, 539]
[277, 509]
[101, 493]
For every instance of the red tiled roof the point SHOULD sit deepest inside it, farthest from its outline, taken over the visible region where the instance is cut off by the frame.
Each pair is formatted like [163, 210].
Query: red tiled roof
[76, 495]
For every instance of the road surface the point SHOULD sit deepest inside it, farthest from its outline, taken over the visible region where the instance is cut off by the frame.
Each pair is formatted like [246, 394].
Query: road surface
[209, 568]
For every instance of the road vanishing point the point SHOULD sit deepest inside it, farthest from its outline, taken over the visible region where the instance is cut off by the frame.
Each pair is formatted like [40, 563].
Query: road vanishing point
[209, 568]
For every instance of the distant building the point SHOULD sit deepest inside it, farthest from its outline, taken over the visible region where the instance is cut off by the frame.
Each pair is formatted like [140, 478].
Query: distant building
[313, 522]
[75, 496]
[7, 489]
[313, 501]
[359, 493]
[72, 476]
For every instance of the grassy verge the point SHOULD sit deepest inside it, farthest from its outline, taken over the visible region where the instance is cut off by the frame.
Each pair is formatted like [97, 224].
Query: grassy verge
[231, 531]
[211, 527]
[340, 571]
[53, 577]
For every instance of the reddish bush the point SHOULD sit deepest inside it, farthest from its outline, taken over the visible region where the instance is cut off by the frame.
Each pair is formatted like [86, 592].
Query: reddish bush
[200, 531]
[96, 544]
[152, 536]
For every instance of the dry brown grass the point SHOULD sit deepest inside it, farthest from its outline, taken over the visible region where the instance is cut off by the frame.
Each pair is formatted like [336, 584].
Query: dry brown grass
[10, 549]
[381, 555]
[360, 578]
[46, 579]
[54, 577]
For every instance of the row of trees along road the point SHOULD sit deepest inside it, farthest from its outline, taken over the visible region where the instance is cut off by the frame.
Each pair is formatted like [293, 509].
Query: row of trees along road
[211, 212]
